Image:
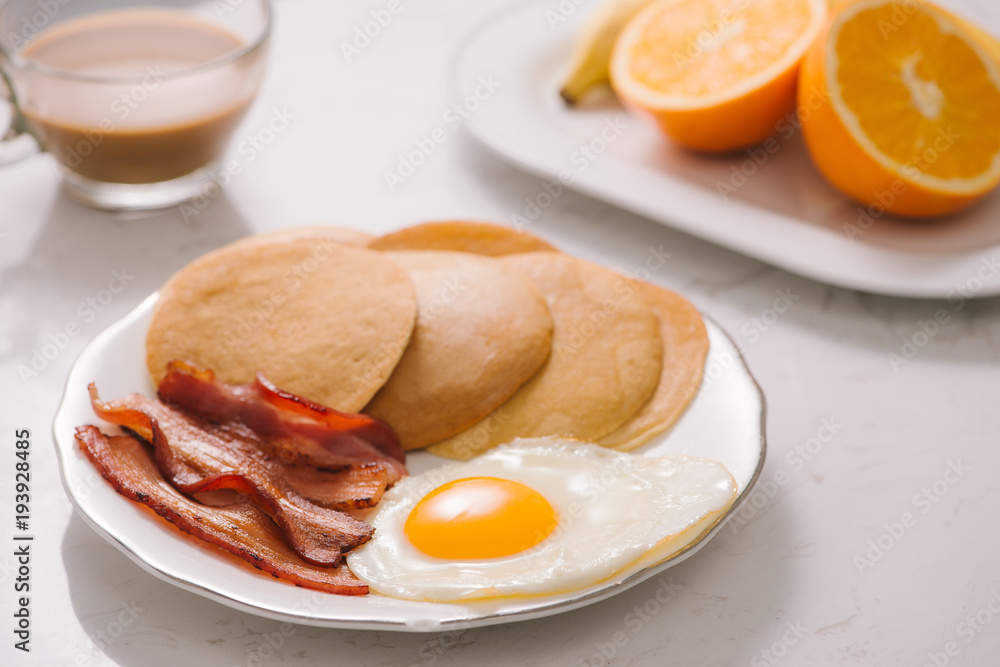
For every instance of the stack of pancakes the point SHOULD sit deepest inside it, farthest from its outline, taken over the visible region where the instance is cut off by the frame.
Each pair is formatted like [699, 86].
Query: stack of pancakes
[459, 335]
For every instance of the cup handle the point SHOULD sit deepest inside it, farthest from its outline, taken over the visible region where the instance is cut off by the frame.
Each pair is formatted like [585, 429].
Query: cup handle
[17, 142]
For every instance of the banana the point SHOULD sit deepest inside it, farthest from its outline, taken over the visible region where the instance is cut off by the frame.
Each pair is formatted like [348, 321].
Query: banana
[592, 52]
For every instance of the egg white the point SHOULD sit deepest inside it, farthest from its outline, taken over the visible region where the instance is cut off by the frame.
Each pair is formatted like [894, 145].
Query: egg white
[614, 509]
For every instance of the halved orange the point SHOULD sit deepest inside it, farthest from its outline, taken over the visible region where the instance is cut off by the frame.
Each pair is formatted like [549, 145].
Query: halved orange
[904, 107]
[716, 75]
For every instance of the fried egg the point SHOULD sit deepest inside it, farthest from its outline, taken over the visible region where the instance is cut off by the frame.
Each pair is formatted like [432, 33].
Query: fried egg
[537, 516]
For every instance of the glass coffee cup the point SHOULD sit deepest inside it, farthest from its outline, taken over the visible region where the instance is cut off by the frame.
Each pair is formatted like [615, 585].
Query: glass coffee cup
[136, 101]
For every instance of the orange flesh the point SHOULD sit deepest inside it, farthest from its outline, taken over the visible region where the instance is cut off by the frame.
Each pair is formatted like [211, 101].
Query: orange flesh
[921, 94]
[697, 48]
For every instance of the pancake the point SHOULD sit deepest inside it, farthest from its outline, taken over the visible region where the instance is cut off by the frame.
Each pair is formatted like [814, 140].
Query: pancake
[685, 347]
[480, 238]
[605, 361]
[335, 234]
[323, 320]
[482, 331]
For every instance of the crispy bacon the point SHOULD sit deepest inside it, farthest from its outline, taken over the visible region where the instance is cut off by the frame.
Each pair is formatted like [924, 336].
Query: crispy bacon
[305, 430]
[196, 456]
[358, 487]
[240, 528]
[323, 477]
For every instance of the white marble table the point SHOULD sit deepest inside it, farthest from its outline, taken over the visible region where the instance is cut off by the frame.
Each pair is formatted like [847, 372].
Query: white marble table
[874, 540]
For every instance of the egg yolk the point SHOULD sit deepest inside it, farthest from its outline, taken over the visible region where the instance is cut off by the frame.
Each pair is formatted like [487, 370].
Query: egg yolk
[480, 517]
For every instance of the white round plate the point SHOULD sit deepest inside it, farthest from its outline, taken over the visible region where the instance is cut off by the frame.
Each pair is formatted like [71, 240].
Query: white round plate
[770, 204]
[725, 422]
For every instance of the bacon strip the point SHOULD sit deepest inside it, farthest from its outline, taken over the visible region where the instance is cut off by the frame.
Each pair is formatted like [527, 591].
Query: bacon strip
[240, 528]
[321, 476]
[196, 457]
[308, 431]
[358, 487]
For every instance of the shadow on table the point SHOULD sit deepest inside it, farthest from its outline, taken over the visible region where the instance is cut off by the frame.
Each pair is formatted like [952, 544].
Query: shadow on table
[104, 263]
[136, 619]
[700, 608]
[85, 244]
